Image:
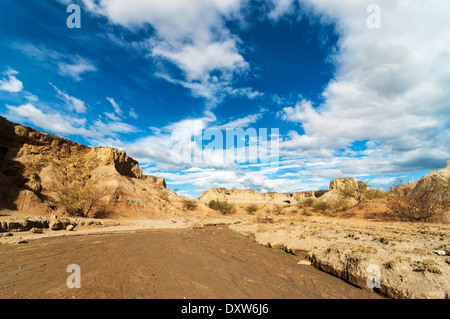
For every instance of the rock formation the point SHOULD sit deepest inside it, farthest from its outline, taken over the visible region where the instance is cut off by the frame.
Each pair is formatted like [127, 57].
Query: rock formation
[264, 201]
[285, 201]
[36, 167]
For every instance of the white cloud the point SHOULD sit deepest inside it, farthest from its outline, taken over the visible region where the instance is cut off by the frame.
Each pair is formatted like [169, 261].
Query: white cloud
[133, 114]
[11, 84]
[200, 59]
[390, 87]
[76, 68]
[112, 116]
[66, 63]
[73, 103]
[54, 122]
[242, 122]
[112, 128]
[116, 106]
[279, 8]
[189, 34]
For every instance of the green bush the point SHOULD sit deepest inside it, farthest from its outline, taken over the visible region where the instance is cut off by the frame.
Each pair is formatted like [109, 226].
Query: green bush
[222, 206]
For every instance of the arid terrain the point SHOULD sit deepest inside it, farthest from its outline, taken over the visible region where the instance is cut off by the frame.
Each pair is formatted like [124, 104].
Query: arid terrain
[63, 203]
[213, 262]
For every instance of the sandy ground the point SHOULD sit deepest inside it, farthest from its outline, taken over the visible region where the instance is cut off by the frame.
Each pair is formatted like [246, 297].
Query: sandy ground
[199, 262]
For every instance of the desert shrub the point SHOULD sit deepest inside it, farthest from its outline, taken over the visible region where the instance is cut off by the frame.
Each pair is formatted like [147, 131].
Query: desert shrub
[337, 204]
[251, 209]
[222, 206]
[357, 192]
[308, 202]
[101, 213]
[277, 209]
[321, 206]
[428, 201]
[189, 204]
[374, 194]
[76, 201]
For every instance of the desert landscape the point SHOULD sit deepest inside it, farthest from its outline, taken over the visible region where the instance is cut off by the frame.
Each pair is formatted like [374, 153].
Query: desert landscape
[65, 203]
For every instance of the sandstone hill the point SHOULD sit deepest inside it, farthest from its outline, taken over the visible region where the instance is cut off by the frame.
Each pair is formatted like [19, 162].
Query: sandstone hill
[42, 173]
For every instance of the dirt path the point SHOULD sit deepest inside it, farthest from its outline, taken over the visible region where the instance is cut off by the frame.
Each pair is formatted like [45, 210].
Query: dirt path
[213, 262]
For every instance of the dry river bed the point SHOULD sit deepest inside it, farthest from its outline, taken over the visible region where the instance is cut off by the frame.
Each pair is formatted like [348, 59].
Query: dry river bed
[198, 257]
[196, 262]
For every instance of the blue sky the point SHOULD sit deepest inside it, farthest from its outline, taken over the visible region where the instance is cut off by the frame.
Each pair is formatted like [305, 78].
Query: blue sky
[341, 99]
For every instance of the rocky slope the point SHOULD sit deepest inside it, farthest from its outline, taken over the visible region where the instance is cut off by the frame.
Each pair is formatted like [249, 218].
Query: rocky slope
[41, 173]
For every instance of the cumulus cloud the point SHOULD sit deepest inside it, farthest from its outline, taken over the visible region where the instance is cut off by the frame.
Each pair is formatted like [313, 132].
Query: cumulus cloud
[11, 83]
[390, 87]
[188, 34]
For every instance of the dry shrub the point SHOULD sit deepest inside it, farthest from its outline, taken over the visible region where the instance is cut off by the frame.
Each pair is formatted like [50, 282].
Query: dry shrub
[223, 207]
[429, 201]
[251, 209]
[189, 204]
[101, 213]
[76, 201]
[321, 206]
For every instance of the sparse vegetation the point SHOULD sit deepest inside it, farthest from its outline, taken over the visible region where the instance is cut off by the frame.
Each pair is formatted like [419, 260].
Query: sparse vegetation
[308, 202]
[251, 209]
[357, 192]
[189, 204]
[426, 202]
[321, 206]
[374, 194]
[101, 213]
[337, 204]
[222, 206]
[428, 265]
[277, 209]
[76, 201]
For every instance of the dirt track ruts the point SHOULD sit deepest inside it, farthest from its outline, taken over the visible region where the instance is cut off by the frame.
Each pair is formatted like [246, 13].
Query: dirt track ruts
[213, 262]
